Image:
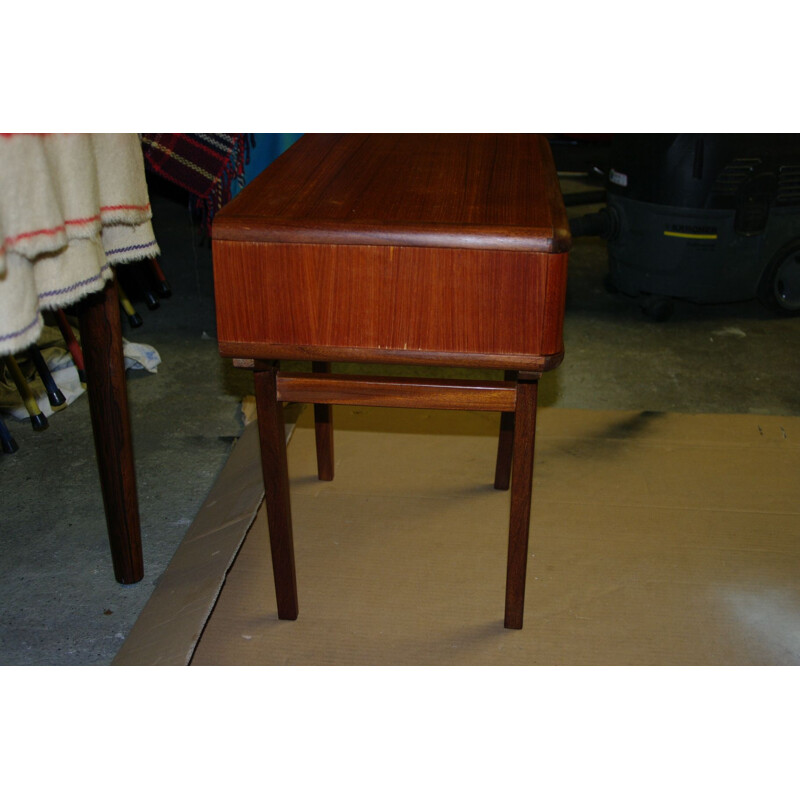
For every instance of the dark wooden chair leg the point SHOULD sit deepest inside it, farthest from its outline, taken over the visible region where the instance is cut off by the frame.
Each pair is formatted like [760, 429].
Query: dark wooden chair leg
[54, 394]
[521, 487]
[101, 337]
[323, 429]
[7, 442]
[37, 417]
[134, 318]
[72, 343]
[275, 468]
[505, 444]
[162, 285]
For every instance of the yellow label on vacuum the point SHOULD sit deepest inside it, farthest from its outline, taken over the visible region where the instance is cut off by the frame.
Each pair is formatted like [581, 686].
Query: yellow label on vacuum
[690, 235]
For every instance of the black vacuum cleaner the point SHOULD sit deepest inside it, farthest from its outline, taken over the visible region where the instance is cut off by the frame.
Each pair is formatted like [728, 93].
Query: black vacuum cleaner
[710, 218]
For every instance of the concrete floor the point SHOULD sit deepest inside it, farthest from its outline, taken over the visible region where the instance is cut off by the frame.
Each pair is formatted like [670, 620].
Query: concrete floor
[60, 602]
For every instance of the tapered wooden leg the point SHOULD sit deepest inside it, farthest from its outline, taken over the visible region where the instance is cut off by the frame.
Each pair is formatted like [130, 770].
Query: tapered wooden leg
[521, 487]
[505, 444]
[323, 429]
[101, 337]
[275, 468]
[7, 442]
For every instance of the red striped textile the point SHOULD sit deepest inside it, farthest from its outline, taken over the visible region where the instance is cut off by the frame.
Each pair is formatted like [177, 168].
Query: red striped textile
[205, 164]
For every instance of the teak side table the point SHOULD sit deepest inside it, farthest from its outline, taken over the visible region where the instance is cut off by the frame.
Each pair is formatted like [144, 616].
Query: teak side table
[434, 249]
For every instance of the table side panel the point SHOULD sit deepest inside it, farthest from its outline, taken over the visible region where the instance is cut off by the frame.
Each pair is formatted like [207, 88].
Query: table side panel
[402, 299]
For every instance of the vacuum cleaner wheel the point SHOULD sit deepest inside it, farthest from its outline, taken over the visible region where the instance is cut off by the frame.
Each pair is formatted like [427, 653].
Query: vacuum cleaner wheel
[780, 284]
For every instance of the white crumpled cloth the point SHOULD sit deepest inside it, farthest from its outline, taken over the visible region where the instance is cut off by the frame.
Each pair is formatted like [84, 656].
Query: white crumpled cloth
[71, 205]
[139, 357]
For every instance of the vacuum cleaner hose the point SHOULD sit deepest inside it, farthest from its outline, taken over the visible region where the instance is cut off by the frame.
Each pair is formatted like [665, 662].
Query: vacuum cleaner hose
[602, 223]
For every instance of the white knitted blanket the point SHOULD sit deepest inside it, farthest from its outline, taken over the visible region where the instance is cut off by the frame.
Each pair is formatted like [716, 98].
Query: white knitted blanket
[71, 205]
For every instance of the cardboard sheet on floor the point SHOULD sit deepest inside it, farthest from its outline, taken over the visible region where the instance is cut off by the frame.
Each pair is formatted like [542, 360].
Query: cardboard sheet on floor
[655, 539]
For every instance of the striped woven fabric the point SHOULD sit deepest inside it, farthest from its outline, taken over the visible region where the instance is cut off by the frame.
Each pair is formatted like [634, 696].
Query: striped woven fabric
[71, 206]
[205, 164]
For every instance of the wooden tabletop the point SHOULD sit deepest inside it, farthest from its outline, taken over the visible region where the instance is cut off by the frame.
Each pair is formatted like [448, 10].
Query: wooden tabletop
[475, 191]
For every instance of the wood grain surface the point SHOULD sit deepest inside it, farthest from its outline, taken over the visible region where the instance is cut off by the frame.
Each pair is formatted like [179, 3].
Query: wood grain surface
[505, 445]
[521, 488]
[277, 498]
[323, 427]
[361, 390]
[389, 299]
[397, 249]
[487, 191]
[101, 337]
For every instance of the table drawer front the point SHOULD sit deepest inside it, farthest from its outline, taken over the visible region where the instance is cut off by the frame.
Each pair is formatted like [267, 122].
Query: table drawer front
[390, 298]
